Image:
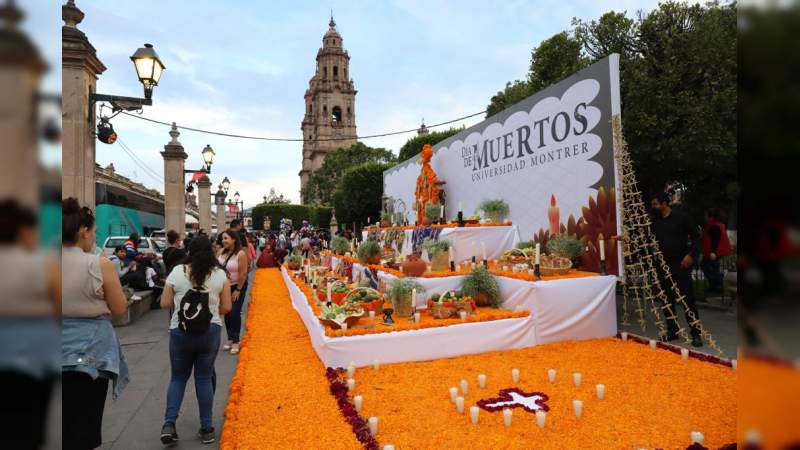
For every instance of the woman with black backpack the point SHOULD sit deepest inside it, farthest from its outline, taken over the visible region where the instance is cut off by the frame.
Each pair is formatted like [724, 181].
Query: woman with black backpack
[199, 292]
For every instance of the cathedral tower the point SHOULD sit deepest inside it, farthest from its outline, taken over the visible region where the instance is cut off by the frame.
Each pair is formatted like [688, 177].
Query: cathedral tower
[329, 122]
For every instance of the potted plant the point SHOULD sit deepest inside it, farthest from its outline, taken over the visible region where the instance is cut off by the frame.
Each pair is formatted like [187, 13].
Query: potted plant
[564, 246]
[295, 262]
[369, 252]
[439, 252]
[340, 245]
[433, 212]
[481, 285]
[386, 219]
[399, 294]
[494, 210]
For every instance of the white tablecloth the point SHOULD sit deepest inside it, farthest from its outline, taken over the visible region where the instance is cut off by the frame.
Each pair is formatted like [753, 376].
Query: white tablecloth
[496, 239]
[561, 310]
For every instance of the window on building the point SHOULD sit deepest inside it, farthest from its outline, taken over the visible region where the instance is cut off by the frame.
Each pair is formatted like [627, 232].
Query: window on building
[337, 115]
[324, 73]
[335, 72]
[345, 73]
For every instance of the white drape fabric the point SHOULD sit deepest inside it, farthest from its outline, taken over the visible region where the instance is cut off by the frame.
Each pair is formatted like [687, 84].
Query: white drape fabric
[467, 240]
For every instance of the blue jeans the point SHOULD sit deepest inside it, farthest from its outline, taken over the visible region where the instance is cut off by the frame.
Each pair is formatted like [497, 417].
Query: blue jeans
[233, 320]
[186, 351]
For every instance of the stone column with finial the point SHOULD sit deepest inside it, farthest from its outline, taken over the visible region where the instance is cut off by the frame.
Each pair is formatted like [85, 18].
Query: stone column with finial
[22, 69]
[221, 226]
[80, 68]
[334, 226]
[204, 203]
[174, 191]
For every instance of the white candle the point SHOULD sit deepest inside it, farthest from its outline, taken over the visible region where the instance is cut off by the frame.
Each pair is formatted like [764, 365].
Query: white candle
[351, 370]
[388, 447]
[577, 407]
[351, 385]
[551, 375]
[460, 405]
[734, 364]
[417, 317]
[653, 344]
[482, 381]
[473, 414]
[376, 364]
[460, 209]
[473, 266]
[602, 244]
[515, 375]
[414, 297]
[624, 335]
[530, 272]
[576, 377]
[358, 401]
[453, 394]
[507, 415]
[538, 254]
[344, 326]
[462, 315]
[601, 391]
[697, 437]
[373, 426]
[685, 353]
[372, 314]
[450, 256]
[441, 212]
[464, 386]
[483, 250]
[541, 418]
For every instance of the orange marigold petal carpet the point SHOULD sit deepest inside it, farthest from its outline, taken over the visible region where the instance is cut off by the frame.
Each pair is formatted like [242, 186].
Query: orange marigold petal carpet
[279, 397]
[654, 399]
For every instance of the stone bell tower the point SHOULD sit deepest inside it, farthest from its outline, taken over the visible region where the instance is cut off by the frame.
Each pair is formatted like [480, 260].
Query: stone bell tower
[329, 122]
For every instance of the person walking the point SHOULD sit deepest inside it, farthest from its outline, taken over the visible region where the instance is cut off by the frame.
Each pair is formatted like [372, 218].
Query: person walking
[91, 354]
[715, 246]
[173, 254]
[233, 259]
[199, 292]
[679, 241]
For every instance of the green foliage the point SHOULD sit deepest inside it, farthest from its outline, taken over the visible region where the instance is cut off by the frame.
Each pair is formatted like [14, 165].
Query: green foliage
[402, 287]
[325, 181]
[496, 208]
[481, 280]
[435, 247]
[339, 245]
[565, 246]
[413, 146]
[318, 216]
[514, 92]
[295, 259]
[526, 244]
[367, 250]
[433, 211]
[358, 195]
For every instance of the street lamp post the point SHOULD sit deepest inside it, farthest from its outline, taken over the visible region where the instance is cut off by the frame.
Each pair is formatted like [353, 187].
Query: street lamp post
[239, 205]
[148, 69]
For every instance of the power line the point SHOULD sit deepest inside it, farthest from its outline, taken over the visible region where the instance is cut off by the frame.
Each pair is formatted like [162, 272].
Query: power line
[261, 138]
[141, 164]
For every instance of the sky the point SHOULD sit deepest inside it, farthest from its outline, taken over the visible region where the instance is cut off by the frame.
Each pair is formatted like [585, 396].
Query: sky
[243, 67]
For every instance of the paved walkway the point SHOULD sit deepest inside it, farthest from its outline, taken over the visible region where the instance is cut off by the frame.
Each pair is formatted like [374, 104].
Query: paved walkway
[134, 420]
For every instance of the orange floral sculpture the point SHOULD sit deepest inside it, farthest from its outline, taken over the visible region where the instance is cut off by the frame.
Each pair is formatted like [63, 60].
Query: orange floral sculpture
[426, 191]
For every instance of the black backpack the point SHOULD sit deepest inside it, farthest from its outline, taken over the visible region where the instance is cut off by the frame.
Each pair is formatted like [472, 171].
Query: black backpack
[194, 314]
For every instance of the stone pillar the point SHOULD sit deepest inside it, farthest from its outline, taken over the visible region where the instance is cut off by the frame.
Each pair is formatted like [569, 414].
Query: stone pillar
[333, 226]
[21, 69]
[221, 219]
[174, 191]
[80, 68]
[204, 203]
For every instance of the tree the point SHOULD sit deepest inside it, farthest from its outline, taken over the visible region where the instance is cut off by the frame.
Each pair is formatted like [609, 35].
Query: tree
[413, 146]
[358, 196]
[276, 199]
[553, 60]
[324, 182]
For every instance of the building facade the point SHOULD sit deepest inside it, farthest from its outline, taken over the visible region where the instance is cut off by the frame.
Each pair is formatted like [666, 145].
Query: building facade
[329, 122]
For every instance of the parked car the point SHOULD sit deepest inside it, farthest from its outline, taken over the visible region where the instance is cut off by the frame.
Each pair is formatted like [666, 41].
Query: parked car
[146, 245]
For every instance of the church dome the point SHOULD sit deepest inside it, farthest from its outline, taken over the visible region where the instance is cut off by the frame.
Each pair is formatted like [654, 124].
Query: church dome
[332, 36]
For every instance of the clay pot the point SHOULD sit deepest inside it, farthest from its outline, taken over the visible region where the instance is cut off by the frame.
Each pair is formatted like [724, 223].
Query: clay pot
[482, 299]
[413, 266]
[385, 223]
[426, 222]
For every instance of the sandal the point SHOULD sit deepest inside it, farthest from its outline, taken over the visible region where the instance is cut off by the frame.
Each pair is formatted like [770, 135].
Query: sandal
[227, 346]
[235, 349]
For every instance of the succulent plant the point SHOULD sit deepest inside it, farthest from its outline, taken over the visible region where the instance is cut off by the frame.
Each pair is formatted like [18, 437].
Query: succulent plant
[434, 247]
[367, 250]
[340, 245]
[481, 280]
[526, 244]
[433, 211]
[565, 246]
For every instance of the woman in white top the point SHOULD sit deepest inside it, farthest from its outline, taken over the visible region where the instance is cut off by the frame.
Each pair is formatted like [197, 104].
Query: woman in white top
[199, 293]
[233, 259]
